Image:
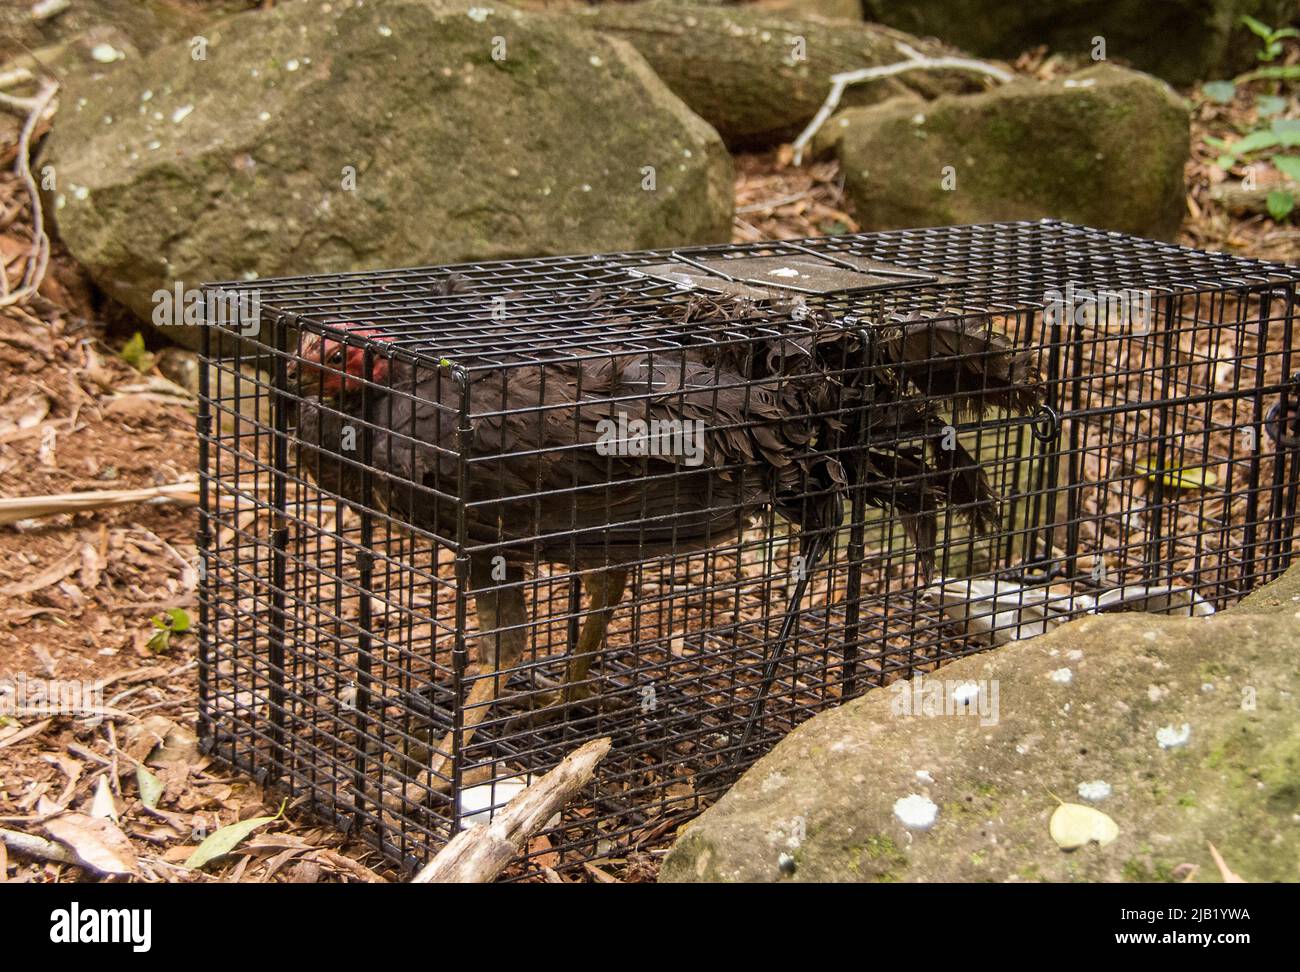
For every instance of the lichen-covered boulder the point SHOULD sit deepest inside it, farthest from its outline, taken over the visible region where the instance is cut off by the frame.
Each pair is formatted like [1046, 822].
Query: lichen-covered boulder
[337, 136]
[1182, 41]
[1184, 731]
[1104, 146]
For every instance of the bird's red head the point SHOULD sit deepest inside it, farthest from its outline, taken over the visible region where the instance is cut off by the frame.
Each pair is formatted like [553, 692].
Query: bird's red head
[331, 368]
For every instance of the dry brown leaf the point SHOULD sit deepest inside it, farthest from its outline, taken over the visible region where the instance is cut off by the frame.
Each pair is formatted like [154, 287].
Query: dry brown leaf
[32, 730]
[103, 806]
[99, 844]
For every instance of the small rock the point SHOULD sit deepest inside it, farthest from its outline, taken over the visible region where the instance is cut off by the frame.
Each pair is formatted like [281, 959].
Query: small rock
[1094, 791]
[1170, 737]
[916, 812]
[1062, 676]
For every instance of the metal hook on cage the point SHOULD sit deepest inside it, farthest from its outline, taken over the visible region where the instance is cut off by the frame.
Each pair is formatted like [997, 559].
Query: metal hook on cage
[1046, 424]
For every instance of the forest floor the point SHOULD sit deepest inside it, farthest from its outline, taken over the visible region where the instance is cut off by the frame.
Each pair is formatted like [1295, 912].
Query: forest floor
[79, 591]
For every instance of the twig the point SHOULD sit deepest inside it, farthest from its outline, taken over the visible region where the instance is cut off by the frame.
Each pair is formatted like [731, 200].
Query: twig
[15, 76]
[38, 847]
[39, 258]
[24, 507]
[477, 855]
[916, 61]
[770, 204]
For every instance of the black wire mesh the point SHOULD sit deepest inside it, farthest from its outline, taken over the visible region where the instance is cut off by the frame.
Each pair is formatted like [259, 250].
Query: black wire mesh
[458, 521]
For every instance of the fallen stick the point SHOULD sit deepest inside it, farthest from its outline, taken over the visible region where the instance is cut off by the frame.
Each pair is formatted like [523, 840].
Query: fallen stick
[37, 847]
[915, 62]
[479, 854]
[25, 507]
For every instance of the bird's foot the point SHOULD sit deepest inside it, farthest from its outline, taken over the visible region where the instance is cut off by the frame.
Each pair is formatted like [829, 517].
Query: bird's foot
[564, 702]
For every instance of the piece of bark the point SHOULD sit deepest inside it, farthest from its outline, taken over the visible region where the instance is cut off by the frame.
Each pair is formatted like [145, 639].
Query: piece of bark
[479, 854]
[759, 77]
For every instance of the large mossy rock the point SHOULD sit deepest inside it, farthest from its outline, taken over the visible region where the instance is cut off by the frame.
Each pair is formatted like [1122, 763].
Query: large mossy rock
[1182, 41]
[240, 165]
[1091, 702]
[1104, 147]
[758, 76]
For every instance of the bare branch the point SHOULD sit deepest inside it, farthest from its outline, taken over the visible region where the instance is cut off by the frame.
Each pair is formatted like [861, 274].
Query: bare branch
[479, 854]
[39, 257]
[915, 62]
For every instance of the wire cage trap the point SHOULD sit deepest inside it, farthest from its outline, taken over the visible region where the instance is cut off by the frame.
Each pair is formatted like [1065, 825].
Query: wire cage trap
[458, 521]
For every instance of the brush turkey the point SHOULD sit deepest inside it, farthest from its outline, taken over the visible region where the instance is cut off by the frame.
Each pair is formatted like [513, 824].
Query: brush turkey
[784, 422]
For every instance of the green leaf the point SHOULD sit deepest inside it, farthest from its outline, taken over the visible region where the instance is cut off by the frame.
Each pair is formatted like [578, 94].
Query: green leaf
[1226, 162]
[1269, 105]
[1219, 91]
[223, 841]
[1186, 477]
[1213, 142]
[151, 787]
[1261, 139]
[136, 355]
[1288, 165]
[160, 641]
[173, 619]
[1257, 27]
[1280, 203]
[1073, 825]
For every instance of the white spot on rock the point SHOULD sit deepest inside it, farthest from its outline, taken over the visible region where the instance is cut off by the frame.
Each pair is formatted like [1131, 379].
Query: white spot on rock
[924, 776]
[479, 14]
[1061, 676]
[385, 30]
[106, 53]
[1094, 791]
[1171, 737]
[181, 113]
[916, 812]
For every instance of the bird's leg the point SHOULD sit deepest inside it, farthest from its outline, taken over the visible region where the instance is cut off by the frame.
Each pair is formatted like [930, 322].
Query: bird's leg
[502, 620]
[606, 587]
